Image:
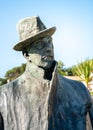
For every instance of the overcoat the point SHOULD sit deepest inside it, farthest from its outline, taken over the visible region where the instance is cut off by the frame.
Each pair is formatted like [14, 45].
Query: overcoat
[30, 103]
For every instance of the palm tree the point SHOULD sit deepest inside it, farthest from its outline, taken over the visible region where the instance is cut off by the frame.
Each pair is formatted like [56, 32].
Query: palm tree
[84, 70]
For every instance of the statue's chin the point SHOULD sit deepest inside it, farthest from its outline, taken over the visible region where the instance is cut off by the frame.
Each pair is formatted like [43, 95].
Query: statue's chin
[47, 64]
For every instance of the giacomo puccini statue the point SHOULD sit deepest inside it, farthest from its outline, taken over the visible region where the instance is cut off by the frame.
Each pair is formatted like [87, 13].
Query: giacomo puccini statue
[41, 99]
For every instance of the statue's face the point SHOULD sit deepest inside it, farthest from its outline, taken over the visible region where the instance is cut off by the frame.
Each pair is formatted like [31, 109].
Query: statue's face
[41, 52]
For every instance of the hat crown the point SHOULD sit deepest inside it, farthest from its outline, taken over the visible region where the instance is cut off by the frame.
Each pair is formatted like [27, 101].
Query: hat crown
[29, 27]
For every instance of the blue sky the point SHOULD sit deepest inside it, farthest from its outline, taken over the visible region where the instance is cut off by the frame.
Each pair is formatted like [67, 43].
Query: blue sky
[73, 39]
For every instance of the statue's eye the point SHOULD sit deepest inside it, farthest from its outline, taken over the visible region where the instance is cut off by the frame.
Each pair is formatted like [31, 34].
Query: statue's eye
[49, 40]
[39, 45]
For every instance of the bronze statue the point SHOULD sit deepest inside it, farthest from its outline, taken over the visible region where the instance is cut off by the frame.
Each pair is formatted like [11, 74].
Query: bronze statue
[41, 99]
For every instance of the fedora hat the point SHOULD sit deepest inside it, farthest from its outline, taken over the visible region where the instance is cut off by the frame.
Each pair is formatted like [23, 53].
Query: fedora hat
[31, 29]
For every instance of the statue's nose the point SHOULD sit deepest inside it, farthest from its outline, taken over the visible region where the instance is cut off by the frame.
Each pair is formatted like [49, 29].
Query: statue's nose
[49, 48]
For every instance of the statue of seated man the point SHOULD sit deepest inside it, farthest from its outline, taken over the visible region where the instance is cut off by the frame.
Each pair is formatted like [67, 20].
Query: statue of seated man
[41, 99]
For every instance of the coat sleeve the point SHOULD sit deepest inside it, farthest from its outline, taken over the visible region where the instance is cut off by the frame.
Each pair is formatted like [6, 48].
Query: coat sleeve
[91, 114]
[1, 122]
[1, 117]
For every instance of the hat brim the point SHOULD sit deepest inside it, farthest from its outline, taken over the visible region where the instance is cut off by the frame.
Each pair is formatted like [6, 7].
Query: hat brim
[22, 44]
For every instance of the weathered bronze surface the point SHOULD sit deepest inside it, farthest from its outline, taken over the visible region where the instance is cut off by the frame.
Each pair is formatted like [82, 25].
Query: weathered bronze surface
[40, 99]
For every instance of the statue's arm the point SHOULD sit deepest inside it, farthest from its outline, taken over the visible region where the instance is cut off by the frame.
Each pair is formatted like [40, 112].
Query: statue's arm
[89, 103]
[1, 122]
[91, 114]
[1, 117]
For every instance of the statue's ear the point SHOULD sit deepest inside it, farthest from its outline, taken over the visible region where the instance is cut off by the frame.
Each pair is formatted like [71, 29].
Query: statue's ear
[25, 54]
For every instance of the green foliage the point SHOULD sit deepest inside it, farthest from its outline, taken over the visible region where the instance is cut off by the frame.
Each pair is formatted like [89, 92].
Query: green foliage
[60, 68]
[84, 70]
[3, 81]
[15, 72]
[91, 92]
[69, 71]
[64, 71]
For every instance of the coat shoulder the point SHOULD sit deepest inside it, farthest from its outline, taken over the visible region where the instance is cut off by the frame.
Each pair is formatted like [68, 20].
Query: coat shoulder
[72, 83]
[74, 86]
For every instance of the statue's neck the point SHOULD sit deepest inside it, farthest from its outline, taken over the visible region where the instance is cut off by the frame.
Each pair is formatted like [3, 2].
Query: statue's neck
[39, 72]
[35, 71]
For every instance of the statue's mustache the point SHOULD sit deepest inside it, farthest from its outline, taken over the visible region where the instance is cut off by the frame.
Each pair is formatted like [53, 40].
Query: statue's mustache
[47, 57]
